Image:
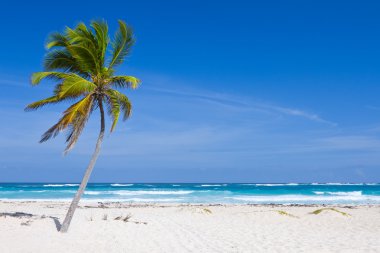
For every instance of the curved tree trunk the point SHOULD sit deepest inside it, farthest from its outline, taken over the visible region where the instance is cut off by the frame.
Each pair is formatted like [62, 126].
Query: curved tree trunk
[87, 174]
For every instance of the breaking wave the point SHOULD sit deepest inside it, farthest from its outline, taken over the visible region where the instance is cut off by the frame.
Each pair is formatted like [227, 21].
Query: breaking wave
[135, 193]
[169, 200]
[352, 193]
[290, 184]
[121, 185]
[299, 199]
[59, 185]
[126, 193]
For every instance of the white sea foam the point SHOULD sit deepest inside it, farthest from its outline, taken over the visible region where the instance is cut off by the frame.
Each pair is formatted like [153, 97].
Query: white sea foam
[120, 185]
[337, 184]
[209, 185]
[43, 200]
[351, 193]
[289, 184]
[176, 185]
[290, 199]
[344, 184]
[59, 185]
[93, 193]
[169, 200]
[134, 193]
[129, 193]
[10, 192]
[63, 191]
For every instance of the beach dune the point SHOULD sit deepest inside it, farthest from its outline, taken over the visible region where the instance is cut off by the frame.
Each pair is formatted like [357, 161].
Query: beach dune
[31, 226]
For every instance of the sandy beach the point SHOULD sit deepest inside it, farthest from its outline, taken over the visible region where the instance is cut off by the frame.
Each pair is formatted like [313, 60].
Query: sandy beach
[31, 226]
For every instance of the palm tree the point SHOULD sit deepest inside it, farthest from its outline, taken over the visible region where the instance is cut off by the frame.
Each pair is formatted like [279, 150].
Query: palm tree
[84, 71]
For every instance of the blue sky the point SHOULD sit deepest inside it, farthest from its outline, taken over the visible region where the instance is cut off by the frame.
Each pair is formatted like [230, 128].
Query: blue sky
[266, 91]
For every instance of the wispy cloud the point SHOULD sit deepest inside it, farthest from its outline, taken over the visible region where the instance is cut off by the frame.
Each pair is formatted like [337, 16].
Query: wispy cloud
[300, 113]
[243, 103]
[204, 95]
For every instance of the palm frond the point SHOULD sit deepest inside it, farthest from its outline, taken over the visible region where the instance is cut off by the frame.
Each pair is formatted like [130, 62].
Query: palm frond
[43, 102]
[102, 39]
[85, 57]
[56, 39]
[77, 126]
[121, 44]
[76, 110]
[73, 86]
[84, 48]
[80, 35]
[125, 82]
[125, 104]
[62, 60]
[37, 77]
[113, 106]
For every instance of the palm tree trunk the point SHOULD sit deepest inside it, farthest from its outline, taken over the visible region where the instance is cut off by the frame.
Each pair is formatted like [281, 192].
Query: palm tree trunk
[87, 174]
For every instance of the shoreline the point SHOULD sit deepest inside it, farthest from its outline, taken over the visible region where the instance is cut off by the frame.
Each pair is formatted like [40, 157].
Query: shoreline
[174, 204]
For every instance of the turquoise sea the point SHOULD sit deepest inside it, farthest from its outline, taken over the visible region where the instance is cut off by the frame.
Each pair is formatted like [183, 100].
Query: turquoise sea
[253, 193]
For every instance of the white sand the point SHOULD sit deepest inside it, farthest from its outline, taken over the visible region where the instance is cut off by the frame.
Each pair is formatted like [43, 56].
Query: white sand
[175, 228]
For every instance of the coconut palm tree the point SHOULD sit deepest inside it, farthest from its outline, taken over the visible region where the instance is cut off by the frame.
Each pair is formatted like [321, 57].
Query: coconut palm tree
[84, 72]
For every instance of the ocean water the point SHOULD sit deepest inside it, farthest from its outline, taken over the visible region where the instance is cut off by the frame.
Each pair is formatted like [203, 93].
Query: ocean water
[254, 193]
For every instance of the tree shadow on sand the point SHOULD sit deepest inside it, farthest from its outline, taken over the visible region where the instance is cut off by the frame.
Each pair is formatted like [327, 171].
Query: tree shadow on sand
[21, 215]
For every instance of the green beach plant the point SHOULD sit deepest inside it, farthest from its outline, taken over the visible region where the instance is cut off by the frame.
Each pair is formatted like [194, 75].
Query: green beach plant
[318, 211]
[82, 62]
[281, 212]
[207, 211]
